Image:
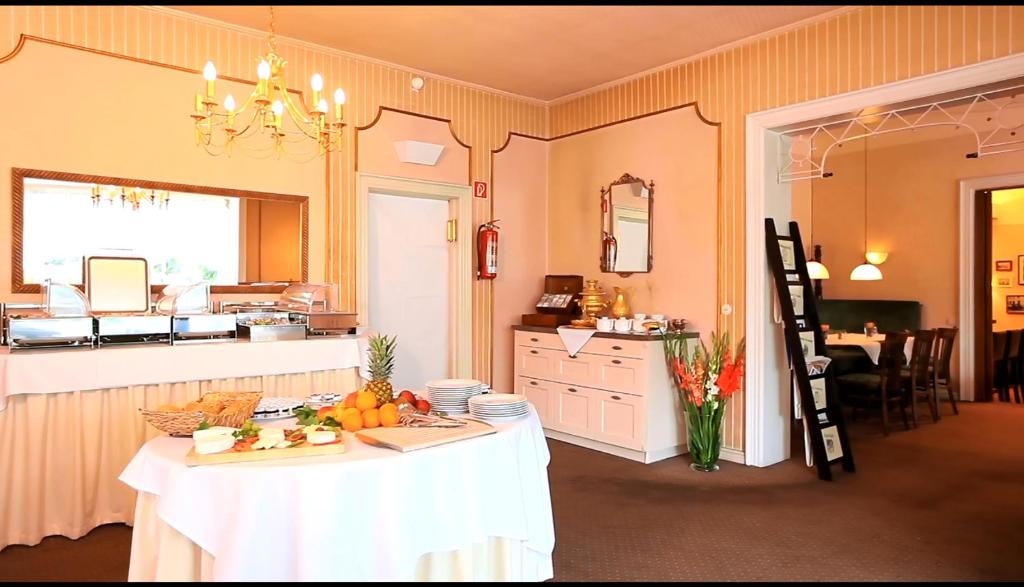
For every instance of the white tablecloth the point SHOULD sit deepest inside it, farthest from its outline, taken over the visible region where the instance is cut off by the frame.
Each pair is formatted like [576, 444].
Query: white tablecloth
[871, 345]
[368, 514]
[56, 371]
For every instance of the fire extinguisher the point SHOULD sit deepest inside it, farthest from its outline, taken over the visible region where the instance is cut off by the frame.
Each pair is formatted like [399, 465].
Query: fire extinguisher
[611, 251]
[487, 250]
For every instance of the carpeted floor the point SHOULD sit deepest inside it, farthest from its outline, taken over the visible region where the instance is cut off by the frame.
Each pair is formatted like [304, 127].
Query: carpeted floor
[942, 502]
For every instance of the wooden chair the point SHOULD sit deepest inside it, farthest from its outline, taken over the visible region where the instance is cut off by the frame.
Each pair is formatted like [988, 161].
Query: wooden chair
[999, 348]
[943, 356]
[918, 378]
[884, 386]
[1013, 364]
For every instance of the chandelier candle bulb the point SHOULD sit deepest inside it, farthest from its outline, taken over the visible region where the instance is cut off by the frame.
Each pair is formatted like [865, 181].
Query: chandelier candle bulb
[339, 102]
[210, 75]
[317, 83]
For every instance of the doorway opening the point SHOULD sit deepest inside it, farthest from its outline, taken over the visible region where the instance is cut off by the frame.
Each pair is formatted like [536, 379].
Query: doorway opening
[414, 259]
[1000, 281]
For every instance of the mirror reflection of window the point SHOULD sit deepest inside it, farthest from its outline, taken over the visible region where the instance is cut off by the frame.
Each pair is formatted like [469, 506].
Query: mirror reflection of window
[225, 240]
[630, 225]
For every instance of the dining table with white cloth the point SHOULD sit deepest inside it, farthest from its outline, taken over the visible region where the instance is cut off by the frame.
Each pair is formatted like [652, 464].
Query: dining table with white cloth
[70, 421]
[476, 509]
[872, 345]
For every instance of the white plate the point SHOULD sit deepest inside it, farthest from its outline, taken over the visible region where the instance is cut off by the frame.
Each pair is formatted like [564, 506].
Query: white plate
[454, 383]
[501, 419]
[499, 399]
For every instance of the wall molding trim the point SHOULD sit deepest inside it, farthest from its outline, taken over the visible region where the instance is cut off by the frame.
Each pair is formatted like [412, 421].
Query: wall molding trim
[767, 428]
[380, 113]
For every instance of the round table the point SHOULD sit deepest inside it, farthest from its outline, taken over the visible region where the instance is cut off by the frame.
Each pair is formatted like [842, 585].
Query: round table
[477, 509]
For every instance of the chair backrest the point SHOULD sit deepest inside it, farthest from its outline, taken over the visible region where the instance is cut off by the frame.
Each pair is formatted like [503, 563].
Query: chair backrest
[921, 355]
[892, 358]
[999, 340]
[1013, 344]
[944, 352]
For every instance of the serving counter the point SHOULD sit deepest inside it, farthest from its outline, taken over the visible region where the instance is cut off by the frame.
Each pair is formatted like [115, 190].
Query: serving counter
[69, 420]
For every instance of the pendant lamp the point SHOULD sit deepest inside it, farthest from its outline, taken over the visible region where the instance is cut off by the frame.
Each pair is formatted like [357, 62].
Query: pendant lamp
[865, 271]
[815, 270]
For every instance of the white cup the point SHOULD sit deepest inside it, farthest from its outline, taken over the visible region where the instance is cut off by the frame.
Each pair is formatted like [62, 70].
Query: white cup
[639, 317]
[623, 325]
[658, 317]
[605, 324]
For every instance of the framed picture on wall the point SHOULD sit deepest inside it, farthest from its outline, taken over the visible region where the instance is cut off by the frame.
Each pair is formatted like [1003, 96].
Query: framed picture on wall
[1003, 282]
[1020, 270]
[1015, 304]
[1004, 265]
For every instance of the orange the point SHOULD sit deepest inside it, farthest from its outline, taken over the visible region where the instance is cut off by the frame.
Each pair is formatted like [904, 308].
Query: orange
[346, 411]
[350, 400]
[388, 417]
[371, 418]
[339, 411]
[352, 422]
[365, 400]
[389, 407]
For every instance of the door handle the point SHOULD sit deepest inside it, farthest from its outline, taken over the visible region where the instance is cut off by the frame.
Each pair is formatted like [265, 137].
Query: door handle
[533, 383]
[534, 340]
[616, 362]
[572, 389]
[616, 397]
[616, 348]
[533, 352]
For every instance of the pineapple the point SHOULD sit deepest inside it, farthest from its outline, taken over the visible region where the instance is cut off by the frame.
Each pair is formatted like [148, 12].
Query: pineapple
[381, 365]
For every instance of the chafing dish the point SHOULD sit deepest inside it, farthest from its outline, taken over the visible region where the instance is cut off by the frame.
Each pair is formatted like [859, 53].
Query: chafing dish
[310, 304]
[118, 290]
[133, 329]
[191, 319]
[62, 321]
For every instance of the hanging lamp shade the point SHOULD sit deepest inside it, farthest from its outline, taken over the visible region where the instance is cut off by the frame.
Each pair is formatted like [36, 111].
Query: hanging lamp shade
[816, 270]
[865, 272]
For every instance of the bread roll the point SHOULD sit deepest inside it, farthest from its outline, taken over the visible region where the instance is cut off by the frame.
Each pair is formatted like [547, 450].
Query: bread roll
[168, 408]
[193, 407]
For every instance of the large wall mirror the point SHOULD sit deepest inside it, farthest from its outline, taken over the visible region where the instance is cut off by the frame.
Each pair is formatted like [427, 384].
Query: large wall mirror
[240, 241]
[626, 219]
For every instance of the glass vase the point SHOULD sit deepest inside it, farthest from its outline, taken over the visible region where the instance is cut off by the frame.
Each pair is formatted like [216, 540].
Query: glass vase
[704, 437]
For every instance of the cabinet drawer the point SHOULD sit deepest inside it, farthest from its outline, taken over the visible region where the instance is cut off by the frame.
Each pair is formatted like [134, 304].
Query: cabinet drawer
[572, 409]
[539, 393]
[543, 340]
[536, 362]
[618, 419]
[619, 374]
[612, 346]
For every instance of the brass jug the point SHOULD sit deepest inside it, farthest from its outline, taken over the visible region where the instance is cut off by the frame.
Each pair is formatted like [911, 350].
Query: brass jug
[592, 299]
[620, 309]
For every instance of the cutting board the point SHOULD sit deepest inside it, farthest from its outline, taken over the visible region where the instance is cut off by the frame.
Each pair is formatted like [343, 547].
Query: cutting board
[193, 459]
[408, 439]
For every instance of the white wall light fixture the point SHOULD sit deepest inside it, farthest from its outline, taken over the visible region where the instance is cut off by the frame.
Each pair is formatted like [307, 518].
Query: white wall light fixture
[418, 152]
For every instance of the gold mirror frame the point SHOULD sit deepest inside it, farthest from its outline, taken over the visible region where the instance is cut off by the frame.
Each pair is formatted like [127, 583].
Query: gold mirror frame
[607, 191]
[18, 176]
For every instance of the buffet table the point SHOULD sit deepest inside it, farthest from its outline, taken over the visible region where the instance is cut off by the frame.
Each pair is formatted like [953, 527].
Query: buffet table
[70, 420]
[476, 509]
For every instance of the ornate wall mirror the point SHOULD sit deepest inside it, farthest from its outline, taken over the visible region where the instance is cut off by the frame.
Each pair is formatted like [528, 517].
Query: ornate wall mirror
[627, 208]
[240, 241]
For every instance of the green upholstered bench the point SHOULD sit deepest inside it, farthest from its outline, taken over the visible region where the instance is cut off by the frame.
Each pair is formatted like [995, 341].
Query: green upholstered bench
[850, 315]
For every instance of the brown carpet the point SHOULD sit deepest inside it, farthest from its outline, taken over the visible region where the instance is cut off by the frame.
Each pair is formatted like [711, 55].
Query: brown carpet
[942, 502]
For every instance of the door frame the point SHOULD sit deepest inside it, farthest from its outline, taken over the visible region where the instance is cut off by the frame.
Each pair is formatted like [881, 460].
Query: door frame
[460, 198]
[968, 321]
[767, 403]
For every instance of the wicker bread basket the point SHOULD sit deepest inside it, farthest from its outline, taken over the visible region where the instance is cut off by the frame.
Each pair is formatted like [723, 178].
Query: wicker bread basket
[235, 408]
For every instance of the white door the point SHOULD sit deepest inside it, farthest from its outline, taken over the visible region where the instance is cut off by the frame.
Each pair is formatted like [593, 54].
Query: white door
[408, 278]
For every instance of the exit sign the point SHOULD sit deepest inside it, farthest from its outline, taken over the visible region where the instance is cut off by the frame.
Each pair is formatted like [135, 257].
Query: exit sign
[480, 189]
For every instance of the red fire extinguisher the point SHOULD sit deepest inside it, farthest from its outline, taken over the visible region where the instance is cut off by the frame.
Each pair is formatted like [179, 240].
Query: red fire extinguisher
[487, 250]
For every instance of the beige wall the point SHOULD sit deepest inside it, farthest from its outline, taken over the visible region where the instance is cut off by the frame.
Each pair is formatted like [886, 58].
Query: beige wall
[520, 185]
[376, 149]
[913, 214]
[1007, 243]
[100, 116]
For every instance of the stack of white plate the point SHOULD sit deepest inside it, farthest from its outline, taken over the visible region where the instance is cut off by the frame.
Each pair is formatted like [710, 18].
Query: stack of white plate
[452, 395]
[499, 406]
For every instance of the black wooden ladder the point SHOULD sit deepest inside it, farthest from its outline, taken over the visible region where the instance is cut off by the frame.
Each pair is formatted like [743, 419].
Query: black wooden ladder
[822, 416]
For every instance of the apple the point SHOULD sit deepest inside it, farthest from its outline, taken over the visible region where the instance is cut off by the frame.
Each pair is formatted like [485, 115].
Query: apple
[408, 396]
[324, 412]
[423, 405]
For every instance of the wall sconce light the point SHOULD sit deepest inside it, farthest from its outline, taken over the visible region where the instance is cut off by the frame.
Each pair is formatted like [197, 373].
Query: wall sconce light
[417, 83]
[876, 257]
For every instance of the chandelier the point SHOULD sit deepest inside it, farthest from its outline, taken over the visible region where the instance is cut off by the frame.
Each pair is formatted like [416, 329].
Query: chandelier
[257, 125]
[130, 196]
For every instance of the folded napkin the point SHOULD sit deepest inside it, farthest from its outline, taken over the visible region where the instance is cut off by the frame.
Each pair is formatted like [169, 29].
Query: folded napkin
[574, 338]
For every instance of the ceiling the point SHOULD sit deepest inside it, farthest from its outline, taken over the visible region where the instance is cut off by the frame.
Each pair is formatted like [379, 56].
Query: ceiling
[542, 52]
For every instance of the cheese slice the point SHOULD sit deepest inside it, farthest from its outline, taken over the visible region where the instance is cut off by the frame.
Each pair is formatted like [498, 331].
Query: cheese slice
[275, 434]
[320, 436]
[208, 446]
[212, 432]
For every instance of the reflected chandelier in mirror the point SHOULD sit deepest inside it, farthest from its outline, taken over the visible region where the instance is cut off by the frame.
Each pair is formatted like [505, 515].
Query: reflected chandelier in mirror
[627, 207]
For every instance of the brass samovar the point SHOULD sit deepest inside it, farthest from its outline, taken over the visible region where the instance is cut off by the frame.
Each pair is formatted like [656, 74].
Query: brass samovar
[592, 300]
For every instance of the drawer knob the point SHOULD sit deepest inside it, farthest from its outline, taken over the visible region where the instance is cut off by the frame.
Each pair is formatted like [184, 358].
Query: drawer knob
[572, 389]
[616, 348]
[533, 383]
[533, 352]
[616, 397]
[616, 362]
[534, 340]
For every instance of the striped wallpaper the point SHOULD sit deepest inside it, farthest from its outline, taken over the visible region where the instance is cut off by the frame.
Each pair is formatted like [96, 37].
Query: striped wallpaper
[848, 50]
[481, 119]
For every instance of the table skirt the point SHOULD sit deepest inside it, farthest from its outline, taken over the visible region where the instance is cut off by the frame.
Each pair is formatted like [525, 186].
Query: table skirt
[161, 553]
[61, 453]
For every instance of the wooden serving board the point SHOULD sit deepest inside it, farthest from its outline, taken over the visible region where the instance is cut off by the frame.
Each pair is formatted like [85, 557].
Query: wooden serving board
[407, 439]
[229, 456]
